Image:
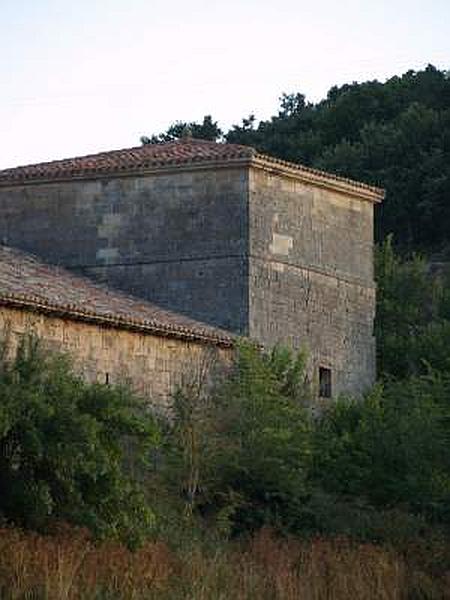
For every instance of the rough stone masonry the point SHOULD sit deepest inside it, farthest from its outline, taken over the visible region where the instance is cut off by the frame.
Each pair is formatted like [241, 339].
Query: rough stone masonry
[229, 237]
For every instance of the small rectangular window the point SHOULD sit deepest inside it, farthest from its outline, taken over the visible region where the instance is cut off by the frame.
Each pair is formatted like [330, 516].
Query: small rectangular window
[324, 382]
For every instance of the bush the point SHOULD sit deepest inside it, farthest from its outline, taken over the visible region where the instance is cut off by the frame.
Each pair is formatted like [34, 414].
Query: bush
[250, 454]
[62, 447]
[390, 449]
[241, 454]
[413, 315]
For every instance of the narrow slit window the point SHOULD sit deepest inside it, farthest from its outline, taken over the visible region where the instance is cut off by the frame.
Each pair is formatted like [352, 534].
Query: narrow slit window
[106, 378]
[324, 382]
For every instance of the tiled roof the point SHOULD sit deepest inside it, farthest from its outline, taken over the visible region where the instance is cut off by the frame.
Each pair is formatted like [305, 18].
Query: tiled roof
[26, 282]
[140, 157]
[182, 152]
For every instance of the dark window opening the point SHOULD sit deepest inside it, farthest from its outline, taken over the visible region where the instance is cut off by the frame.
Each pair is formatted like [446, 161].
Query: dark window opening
[106, 378]
[324, 382]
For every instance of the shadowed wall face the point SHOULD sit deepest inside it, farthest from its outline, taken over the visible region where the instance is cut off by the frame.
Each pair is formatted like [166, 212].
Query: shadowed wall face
[178, 239]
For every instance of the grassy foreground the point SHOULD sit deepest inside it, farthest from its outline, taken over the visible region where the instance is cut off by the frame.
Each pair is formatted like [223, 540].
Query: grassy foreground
[70, 566]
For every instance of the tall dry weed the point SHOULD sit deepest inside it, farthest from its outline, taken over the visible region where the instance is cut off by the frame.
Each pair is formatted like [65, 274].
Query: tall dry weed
[326, 568]
[69, 565]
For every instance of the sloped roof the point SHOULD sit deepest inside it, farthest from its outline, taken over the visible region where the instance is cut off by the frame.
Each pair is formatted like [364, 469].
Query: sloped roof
[26, 282]
[140, 157]
[172, 154]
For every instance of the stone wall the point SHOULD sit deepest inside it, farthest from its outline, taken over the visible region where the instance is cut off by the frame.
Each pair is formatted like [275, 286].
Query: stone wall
[153, 365]
[254, 251]
[178, 239]
[311, 276]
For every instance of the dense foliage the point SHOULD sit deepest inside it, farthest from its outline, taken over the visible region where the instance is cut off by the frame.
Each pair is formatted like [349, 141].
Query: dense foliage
[390, 450]
[241, 453]
[412, 324]
[62, 447]
[249, 454]
[245, 454]
[394, 134]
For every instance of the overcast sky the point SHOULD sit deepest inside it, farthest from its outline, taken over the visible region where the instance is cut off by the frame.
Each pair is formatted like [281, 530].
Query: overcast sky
[87, 75]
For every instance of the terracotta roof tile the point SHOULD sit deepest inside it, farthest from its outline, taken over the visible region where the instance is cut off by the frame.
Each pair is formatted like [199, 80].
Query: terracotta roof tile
[28, 283]
[140, 157]
[177, 153]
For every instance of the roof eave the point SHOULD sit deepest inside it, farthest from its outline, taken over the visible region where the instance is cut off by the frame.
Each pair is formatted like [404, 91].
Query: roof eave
[173, 167]
[260, 161]
[319, 178]
[24, 302]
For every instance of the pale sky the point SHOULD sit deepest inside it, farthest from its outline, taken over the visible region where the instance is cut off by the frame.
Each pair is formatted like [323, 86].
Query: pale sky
[88, 75]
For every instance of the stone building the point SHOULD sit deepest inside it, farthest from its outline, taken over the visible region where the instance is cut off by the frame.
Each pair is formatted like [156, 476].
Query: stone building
[218, 233]
[111, 337]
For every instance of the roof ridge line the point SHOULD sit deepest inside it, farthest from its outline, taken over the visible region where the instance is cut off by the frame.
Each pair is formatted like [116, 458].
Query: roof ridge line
[114, 151]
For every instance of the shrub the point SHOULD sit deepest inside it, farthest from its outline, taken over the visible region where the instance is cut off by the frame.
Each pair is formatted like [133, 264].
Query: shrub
[62, 447]
[390, 449]
[413, 315]
[242, 454]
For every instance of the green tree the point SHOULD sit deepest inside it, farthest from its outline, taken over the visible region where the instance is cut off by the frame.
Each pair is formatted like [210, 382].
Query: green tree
[246, 447]
[391, 449]
[394, 134]
[412, 323]
[207, 130]
[63, 447]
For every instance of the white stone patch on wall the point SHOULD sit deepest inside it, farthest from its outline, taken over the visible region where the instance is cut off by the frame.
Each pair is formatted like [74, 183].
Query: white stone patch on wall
[281, 244]
[109, 230]
[107, 254]
[278, 267]
[111, 222]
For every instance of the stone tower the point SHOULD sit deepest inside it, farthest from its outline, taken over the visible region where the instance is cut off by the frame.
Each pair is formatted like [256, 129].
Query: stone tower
[257, 246]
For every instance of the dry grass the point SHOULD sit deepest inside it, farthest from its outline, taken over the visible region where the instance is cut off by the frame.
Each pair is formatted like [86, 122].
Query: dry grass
[70, 566]
[269, 568]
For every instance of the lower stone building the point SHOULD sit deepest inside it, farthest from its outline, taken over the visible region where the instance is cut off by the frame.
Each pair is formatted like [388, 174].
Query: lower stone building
[110, 336]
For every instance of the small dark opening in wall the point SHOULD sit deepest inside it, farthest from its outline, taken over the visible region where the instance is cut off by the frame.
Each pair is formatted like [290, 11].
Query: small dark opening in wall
[324, 382]
[106, 378]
